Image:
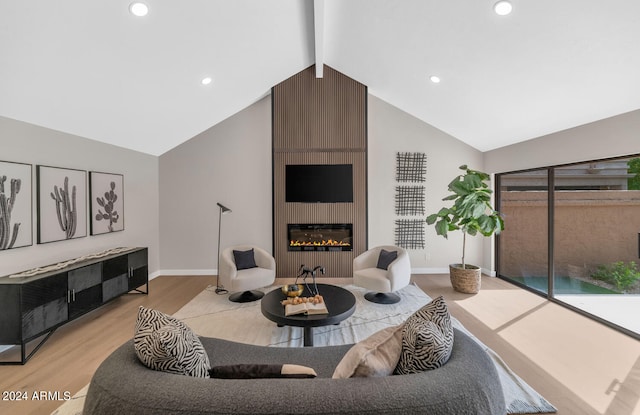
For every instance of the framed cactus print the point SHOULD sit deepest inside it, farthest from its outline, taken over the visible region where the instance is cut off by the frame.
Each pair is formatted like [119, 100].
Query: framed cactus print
[62, 204]
[107, 202]
[15, 205]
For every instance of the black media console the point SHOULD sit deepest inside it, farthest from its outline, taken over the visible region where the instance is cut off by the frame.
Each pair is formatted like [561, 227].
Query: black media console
[33, 307]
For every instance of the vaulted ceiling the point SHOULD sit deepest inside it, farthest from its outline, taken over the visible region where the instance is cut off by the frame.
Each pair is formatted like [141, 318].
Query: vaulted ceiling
[92, 69]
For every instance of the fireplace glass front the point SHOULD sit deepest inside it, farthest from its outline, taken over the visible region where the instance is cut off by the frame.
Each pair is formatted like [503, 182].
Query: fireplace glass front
[320, 237]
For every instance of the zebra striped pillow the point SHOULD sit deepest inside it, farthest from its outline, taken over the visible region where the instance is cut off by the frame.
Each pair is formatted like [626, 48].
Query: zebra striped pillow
[427, 339]
[166, 344]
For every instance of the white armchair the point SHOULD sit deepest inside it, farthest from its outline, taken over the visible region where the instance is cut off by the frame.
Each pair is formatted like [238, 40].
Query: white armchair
[253, 271]
[369, 272]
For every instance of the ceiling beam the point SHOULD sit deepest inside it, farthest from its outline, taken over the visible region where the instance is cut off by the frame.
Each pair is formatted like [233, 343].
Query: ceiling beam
[318, 25]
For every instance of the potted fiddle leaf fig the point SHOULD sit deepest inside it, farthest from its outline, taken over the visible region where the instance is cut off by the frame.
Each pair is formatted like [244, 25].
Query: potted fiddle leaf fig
[471, 213]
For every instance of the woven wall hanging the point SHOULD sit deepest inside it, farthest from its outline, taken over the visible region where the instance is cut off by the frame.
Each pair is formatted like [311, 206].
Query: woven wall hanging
[411, 169]
[409, 200]
[410, 233]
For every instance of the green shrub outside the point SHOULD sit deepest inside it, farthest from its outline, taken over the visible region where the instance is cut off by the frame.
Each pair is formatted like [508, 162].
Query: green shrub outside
[621, 274]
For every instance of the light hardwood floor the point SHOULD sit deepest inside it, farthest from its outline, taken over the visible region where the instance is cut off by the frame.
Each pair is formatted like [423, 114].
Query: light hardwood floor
[581, 366]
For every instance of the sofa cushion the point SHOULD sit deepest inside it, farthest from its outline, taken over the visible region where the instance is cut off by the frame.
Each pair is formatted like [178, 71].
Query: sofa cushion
[258, 371]
[386, 258]
[377, 355]
[244, 259]
[427, 339]
[166, 344]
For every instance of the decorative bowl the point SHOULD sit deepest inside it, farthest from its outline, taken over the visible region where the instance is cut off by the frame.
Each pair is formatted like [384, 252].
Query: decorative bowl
[292, 290]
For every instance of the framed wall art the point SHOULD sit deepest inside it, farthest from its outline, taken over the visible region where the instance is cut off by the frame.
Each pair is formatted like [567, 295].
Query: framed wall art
[15, 205]
[107, 202]
[62, 204]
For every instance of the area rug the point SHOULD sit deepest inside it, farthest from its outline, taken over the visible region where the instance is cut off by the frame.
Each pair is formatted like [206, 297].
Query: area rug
[212, 315]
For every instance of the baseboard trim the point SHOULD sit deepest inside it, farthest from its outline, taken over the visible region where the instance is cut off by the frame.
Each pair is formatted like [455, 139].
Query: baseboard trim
[213, 272]
[488, 272]
[184, 272]
[446, 271]
[430, 270]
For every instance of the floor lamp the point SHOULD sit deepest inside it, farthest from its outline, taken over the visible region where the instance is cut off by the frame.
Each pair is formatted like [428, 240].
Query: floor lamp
[223, 211]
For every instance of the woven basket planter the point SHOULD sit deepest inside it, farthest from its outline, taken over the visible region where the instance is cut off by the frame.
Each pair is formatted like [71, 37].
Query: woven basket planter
[465, 280]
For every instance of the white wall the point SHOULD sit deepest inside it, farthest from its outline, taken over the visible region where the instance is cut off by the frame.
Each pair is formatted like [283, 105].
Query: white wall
[170, 202]
[390, 131]
[229, 163]
[611, 137]
[27, 143]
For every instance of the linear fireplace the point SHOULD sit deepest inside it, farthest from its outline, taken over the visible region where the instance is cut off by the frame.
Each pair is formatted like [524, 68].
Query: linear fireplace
[320, 237]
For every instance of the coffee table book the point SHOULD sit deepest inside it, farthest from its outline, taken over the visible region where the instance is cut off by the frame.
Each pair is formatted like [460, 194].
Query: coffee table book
[305, 308]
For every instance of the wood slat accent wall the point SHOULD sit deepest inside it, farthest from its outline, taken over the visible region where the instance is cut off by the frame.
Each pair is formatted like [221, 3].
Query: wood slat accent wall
[321, 114]
[319, 121]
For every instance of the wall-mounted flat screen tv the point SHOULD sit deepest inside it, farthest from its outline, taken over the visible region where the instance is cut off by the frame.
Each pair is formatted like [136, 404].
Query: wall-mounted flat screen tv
[319, 183]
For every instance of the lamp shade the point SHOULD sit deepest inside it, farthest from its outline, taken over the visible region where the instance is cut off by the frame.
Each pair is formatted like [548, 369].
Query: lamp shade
[223, 208]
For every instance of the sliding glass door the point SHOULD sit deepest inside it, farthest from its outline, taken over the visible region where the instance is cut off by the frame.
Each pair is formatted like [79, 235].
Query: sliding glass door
[522, 251]
[597, 223]
[572, 233]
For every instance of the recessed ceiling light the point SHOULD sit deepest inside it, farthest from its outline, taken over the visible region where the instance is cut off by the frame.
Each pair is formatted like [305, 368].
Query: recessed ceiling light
[434, 79]
[503, 7]
[138, 9]
[206, 81]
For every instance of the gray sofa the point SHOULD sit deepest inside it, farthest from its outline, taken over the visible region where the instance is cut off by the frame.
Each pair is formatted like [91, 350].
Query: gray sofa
[467, 384]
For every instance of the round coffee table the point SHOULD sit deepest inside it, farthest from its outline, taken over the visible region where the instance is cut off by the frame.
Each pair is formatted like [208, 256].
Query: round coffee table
[340, 303]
